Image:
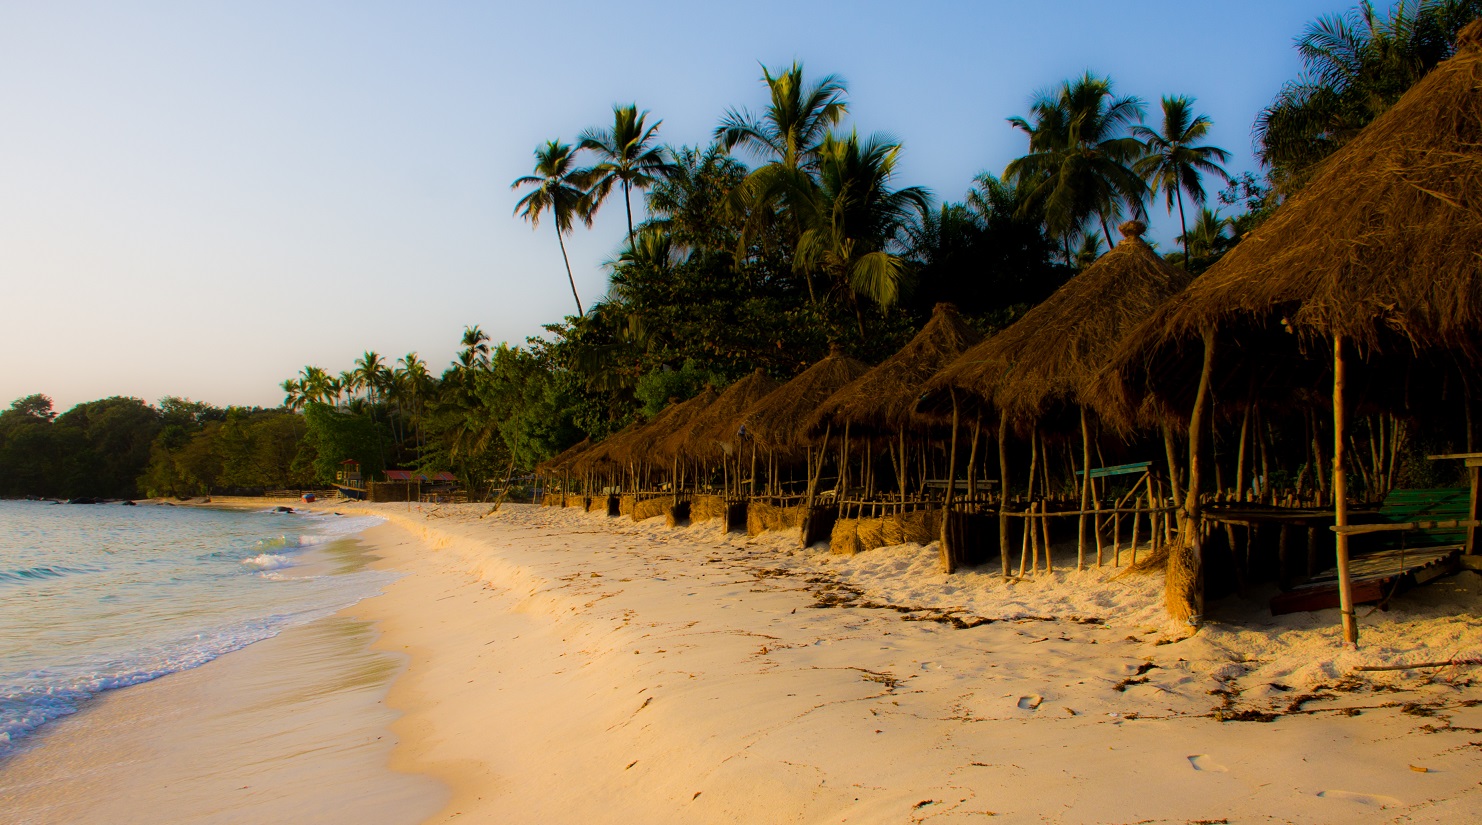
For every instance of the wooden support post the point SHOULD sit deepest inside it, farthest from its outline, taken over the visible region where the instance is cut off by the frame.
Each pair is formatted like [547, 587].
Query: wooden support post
[1184, 583]
[1136, 506]
[1044, 510]
[948, 551]
[1080, 538]
[1003, 497]
[1340, 496]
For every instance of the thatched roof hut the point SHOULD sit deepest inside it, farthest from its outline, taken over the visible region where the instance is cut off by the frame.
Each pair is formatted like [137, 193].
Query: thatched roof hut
[882, 401]
[1380, 249]
[778, 421]
[1049, 359]
[715, 428]
[564, 458]
[667, 442]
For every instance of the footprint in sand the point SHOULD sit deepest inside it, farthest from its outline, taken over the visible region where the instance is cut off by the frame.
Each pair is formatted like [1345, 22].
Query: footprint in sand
[1030, 702]
[1202, 762]
[1374, 799]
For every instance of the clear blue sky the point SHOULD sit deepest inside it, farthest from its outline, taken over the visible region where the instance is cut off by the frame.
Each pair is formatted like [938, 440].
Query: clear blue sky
[200, 198]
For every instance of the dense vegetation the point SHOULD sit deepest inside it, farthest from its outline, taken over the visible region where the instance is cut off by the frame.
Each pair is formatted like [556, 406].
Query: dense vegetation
[783, 236]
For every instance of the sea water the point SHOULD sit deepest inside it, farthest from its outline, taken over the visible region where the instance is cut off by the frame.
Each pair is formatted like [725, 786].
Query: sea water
[96, 597]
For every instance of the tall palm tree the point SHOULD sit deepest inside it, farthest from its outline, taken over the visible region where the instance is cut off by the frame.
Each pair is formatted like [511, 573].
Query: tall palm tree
[627, 155]
[792, 128]
[418, 385]
[293, 394]
[368, 374]
[561, 190]
[1080, 157]
[1174, 163]
[788, 136]
[314, 382]
[856, 227]
[475, 344]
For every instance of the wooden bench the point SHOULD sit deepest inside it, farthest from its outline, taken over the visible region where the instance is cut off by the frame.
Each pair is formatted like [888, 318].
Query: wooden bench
[1416, 536]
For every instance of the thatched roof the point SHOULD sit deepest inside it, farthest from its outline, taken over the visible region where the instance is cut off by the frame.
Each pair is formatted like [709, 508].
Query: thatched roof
[716, 427]
[778, 420]
[565, 457]
[666, 443]
[882, 401]
[1051, 357]
[1380, 247]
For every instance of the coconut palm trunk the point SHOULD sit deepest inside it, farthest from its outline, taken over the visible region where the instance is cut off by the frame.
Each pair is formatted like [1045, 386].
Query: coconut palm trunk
[569, 276]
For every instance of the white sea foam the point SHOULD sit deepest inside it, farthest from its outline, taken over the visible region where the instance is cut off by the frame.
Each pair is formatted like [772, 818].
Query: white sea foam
[268, 561]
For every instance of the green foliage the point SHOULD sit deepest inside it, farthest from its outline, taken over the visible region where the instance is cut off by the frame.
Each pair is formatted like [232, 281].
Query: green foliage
[332, 436]
[657, 388]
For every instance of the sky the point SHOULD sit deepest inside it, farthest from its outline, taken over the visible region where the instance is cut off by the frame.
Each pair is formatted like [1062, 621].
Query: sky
[200, 198]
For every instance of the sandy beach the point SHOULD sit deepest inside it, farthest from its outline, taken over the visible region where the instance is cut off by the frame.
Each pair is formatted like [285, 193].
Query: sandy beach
[561, 666]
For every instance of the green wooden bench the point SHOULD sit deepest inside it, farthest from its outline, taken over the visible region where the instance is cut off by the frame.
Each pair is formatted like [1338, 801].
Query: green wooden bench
[1416, 536]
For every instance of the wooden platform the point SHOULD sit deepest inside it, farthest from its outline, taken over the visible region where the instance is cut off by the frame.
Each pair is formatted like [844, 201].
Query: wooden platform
[1375, 576]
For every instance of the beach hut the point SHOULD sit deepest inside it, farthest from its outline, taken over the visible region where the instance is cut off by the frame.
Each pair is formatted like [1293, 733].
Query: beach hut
[711, 436]
[1371, 272]
[778, 424]
[880, 405]
[1040, 372]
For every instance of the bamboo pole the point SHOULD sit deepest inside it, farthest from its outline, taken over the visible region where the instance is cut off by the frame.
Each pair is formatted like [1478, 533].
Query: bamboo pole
[948, 552]
[1003, 497]
[1080, 538]
[1033, 466]
[1340, 496]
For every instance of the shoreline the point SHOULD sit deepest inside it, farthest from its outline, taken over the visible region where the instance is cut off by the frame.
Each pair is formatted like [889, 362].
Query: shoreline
[560, 666]
[292, 726]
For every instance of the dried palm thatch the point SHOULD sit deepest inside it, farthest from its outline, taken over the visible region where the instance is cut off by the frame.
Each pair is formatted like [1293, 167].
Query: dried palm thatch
[553, 500]
[597, 504]
[707, 508]
[563, 460]
[584, 502]
[882, 401]
[634, 442]
[651, 507]
[778, 421]
[1381, 247]
[715, 428]
[762, 517]
[856, 535]
[1050, 358]
[670, 442]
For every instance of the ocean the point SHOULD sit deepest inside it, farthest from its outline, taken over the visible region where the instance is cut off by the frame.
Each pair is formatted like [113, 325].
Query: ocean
[97, 597]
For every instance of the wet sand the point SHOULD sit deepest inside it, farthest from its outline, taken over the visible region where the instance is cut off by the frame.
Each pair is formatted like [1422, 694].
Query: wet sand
[290, 729]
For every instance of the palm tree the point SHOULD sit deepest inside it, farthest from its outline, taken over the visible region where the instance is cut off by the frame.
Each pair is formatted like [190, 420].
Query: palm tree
[789, 136]
[1174, 164]
[350, 382]
[1209, 236]
[560, 188]
[314, 382]
[1080, 158]
[417, 384]
[856, 227]
[475, 344]
[1090, 250]
[797, 118]
[293, 394]
[626, 156]
[368, 372]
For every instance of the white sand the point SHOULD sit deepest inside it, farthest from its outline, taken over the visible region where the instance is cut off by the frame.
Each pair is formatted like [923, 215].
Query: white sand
[567, 667]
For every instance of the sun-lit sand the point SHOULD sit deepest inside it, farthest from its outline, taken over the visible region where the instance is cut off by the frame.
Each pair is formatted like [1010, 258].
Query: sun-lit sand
[566, 667]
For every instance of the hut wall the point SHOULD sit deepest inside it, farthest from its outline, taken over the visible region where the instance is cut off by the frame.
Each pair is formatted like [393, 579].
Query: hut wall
[390, 491]
[584, 502]
[649, 508]
[553, 500]
[761, 517]
[707, 508]
[626, 502]
[856, 535]
[597, 504]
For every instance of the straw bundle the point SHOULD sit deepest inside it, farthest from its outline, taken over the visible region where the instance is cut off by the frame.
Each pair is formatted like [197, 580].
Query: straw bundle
[651, 507]
[597, 504]
[856, 535]
[626, 503]
[762, 517]
[553, 500]
[707, 508]
[881, 402]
